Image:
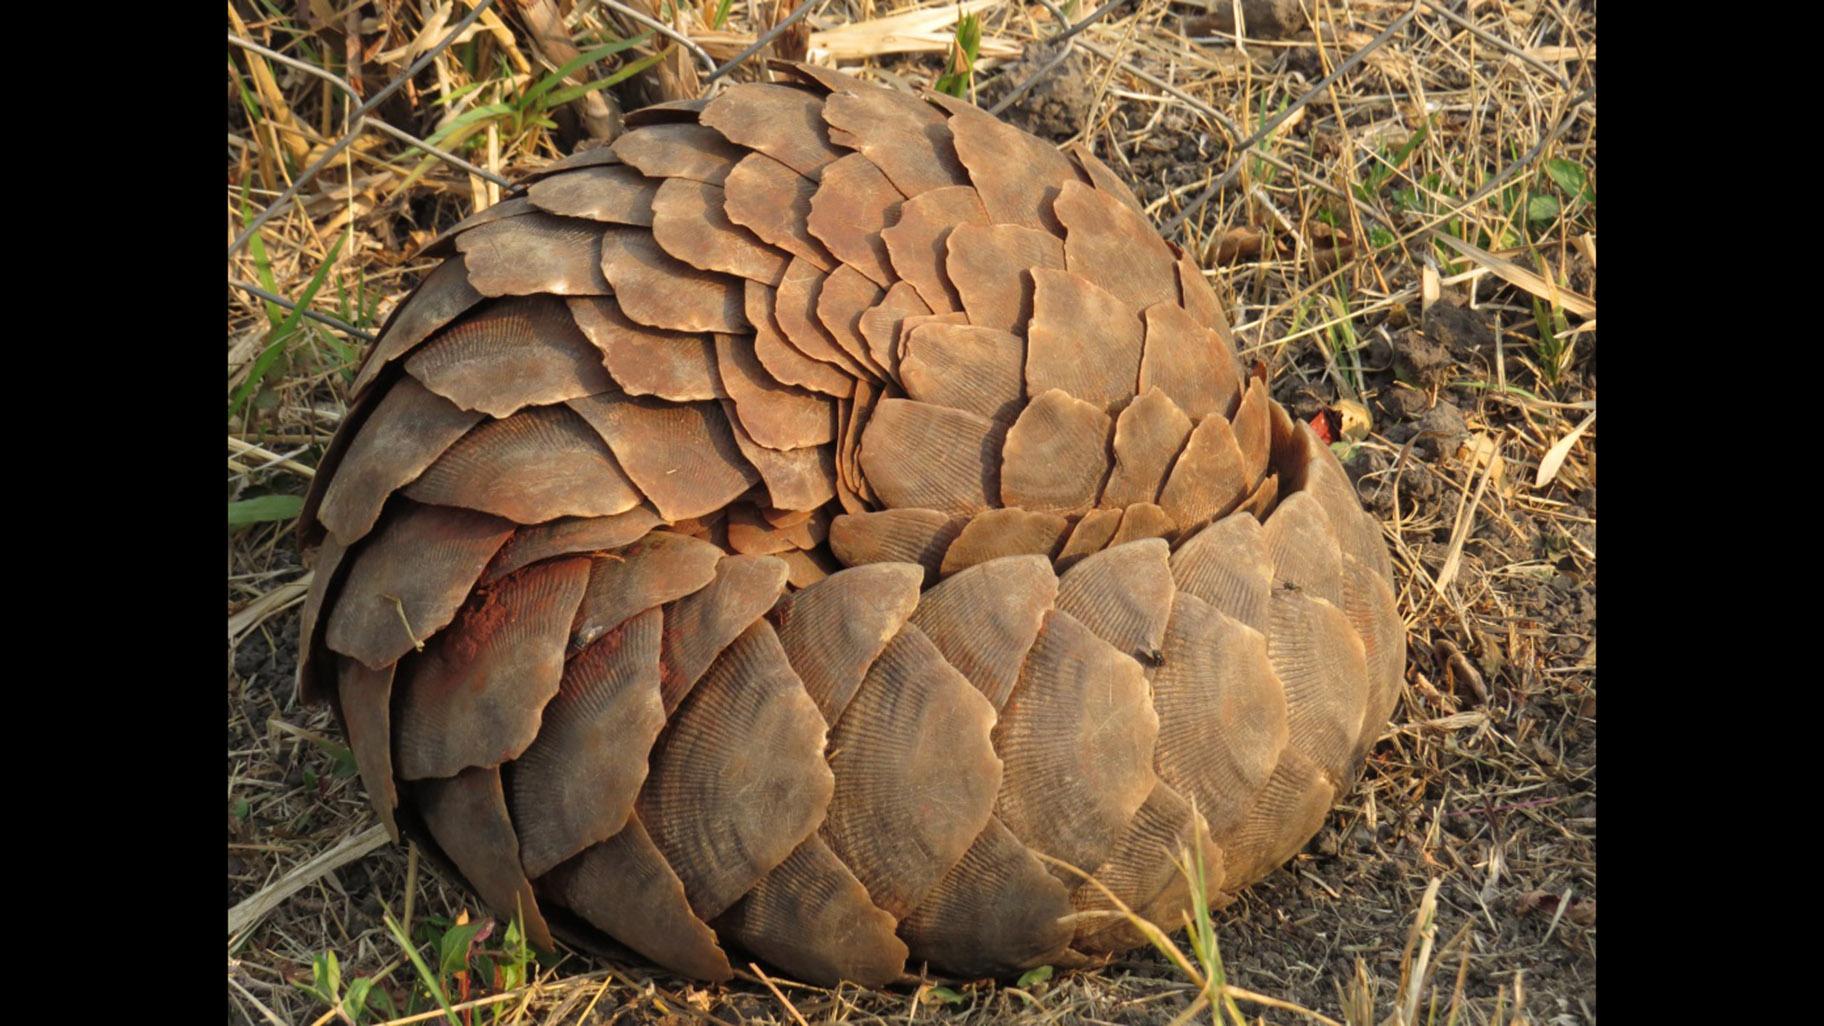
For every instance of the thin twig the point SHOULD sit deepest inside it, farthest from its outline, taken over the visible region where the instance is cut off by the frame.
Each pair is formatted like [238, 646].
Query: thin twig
[1497, 42]
[761, 43]
[1297, 105]
[339, 325]
[244, 915]
[356, 121]
[380, 126]
[664, 30]
[1063, 38]
[799, 1019]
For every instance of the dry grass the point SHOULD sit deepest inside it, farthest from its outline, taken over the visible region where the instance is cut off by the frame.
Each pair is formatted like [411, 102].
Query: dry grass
[1458, 879]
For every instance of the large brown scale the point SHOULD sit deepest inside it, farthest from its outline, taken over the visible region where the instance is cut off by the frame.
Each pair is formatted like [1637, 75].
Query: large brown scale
[827, 526]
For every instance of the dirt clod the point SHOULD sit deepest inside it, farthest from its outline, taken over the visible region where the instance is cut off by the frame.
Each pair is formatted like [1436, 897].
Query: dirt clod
[1442, 429]
[1458, 328]
[1057, 106]
[1398, 405]
[1420, 360]
[1264, 19]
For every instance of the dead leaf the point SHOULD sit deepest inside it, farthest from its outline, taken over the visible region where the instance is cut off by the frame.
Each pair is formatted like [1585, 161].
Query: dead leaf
[1555, 456]
[1356, 423]
[1479, 449]
[1236, 244]
[1519, 276]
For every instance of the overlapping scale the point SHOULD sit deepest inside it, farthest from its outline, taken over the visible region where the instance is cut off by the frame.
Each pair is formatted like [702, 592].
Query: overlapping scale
[825, 526]
[681, 457]
[780, 121]
[795, 479]
[656, 569]
[672, 365]
[776, 416]
[737, 780]
[986, 618]
[476, 696]
[406, 583]
[1004, 532]
[992, 267]
[1123, 594]
[1150, 871]
[1056, 455]
[899, 133]
[774, 202]
[516, 352]
[576, 784]
[679, 150]
[535, 253]
[916, 773]
[1083, 340]
[812, 918]
[996, 911]
[610, 193]
[1182, 360]
[847, 294]
[795, 311]
[1149, 435]
[784, 362]
[918, 243]
[537, 465]
[1076, 735]
[364, 697]
[660, 291]
[917, 455]
[625, 888]
[965, 367]
[444, 295]
[853, 202]
[689, 222]
[567, 535]
[1112, 244]
[467, 817]
[409, 429]
[1222, 712]
[920, 536]
[1210, 477]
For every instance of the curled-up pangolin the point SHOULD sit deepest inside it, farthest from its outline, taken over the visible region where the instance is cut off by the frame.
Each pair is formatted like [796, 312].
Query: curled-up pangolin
[830, 526]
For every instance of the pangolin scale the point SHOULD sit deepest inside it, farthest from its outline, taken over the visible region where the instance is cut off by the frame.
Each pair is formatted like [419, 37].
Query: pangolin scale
[831, 526]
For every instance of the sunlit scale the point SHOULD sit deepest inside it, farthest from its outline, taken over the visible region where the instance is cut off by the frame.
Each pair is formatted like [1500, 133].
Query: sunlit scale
[831, 527]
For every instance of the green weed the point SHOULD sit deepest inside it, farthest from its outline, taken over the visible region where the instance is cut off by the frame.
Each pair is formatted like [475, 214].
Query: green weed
[264, 509]
[364, 995]
[517, 115]
[958, 79]
[284, 332]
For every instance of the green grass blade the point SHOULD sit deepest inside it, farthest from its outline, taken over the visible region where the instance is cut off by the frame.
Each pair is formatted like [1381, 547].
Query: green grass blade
[552, 80]
[424, 971]
[563, 96]
[282, 334]
[264, 509]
